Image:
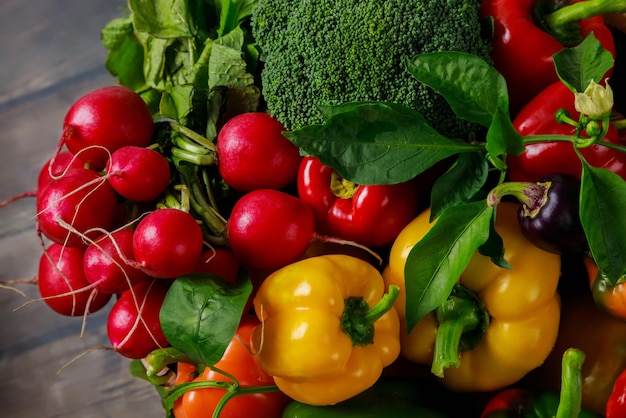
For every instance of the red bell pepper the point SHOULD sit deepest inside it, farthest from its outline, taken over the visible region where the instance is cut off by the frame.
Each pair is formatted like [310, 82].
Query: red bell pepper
[542, 158]
[371, 215]
[523, 50]
[616, 405]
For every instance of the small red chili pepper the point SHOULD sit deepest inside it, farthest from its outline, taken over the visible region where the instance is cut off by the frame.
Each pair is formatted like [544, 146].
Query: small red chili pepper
[616, 405]
[371, 215]
[522, 50]
[542, 158]
[609, 297]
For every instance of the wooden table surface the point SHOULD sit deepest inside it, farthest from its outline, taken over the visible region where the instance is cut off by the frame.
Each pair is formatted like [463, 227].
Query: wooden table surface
[50, 54]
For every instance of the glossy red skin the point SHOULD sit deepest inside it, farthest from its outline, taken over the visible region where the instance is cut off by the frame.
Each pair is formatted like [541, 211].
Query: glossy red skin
[219, 261]
[522, 52]
[253, 154]
[616, 405]
[106, 268]
[87, 207]
[373, 216]
[139, 174]
[122, 320]
[538, 160]
[111, 116]
[238, 361]
[268, 229]
[168, 243]
[63, 161]
[61, 272]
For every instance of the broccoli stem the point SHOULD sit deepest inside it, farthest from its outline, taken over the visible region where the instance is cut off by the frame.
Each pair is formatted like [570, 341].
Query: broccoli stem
[583, 10]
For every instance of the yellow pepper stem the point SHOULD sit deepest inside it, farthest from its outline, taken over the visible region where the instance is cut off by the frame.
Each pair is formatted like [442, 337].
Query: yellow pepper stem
[462, 323]
[358, 318]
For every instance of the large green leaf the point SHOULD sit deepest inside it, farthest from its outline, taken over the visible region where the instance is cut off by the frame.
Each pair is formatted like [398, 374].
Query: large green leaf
[201, 312]
[603, 199]
[474, 89]
[577, 66]
[376, 142]
[436, 262]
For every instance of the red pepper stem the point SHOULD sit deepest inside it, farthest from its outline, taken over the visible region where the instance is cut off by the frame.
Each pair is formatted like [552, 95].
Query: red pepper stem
[582, 10]
[532, 196]
[459, 316]
[571, 384]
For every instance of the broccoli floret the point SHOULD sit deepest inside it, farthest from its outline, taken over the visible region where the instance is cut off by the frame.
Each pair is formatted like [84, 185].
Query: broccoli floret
[318, 52]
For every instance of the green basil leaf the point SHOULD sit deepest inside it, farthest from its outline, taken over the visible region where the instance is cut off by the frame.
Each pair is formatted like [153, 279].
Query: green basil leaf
[201, 312]
[494, 247]
[162, 18]
[436, 262]
[474, 89]
[603, 199]
[587, 61]
[377, 143]
[460, 183]
[502, 137]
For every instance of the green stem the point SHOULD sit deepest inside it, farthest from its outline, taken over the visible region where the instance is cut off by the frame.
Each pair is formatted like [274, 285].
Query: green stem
[462, 322]
[214, 220]
[358, 318]
[620, 124]
[197, 159]
[194, 136]
[582, 10]
[160, 358]
[570, 397]
[539, 138]
[532, 196]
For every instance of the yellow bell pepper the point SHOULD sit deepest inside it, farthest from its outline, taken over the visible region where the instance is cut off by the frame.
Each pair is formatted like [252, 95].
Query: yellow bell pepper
[498, 324]
[327, 328]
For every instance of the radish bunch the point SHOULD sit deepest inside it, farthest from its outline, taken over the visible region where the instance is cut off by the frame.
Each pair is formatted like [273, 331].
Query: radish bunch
[124, 208]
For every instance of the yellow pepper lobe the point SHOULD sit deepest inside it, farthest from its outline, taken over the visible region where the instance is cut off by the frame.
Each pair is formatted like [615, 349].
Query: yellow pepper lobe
[305, 309]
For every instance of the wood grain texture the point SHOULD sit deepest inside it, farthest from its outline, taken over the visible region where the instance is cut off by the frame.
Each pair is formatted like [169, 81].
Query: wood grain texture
[50, 55]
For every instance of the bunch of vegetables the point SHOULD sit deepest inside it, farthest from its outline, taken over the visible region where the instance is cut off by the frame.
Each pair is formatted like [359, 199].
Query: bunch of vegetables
[293, 227]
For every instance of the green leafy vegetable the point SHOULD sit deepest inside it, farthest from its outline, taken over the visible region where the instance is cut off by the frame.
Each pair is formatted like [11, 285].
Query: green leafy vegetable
[472, 87]
[201, 312]
[465, 177]
[436, 262]
[377, 143]
[603, 199]
[577, 66]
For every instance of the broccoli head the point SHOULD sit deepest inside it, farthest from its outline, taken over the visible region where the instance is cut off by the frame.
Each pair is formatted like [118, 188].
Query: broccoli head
[321, 52]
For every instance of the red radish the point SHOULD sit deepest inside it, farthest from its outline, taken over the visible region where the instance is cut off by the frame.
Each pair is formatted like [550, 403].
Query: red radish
[55, 166]
[108, 117]
[105, 266]
[219, 261]
[269, 229]
[253, 154]
[62, 283]
[168, 243]
[81, 199]
[133, 332]
[139, 174]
